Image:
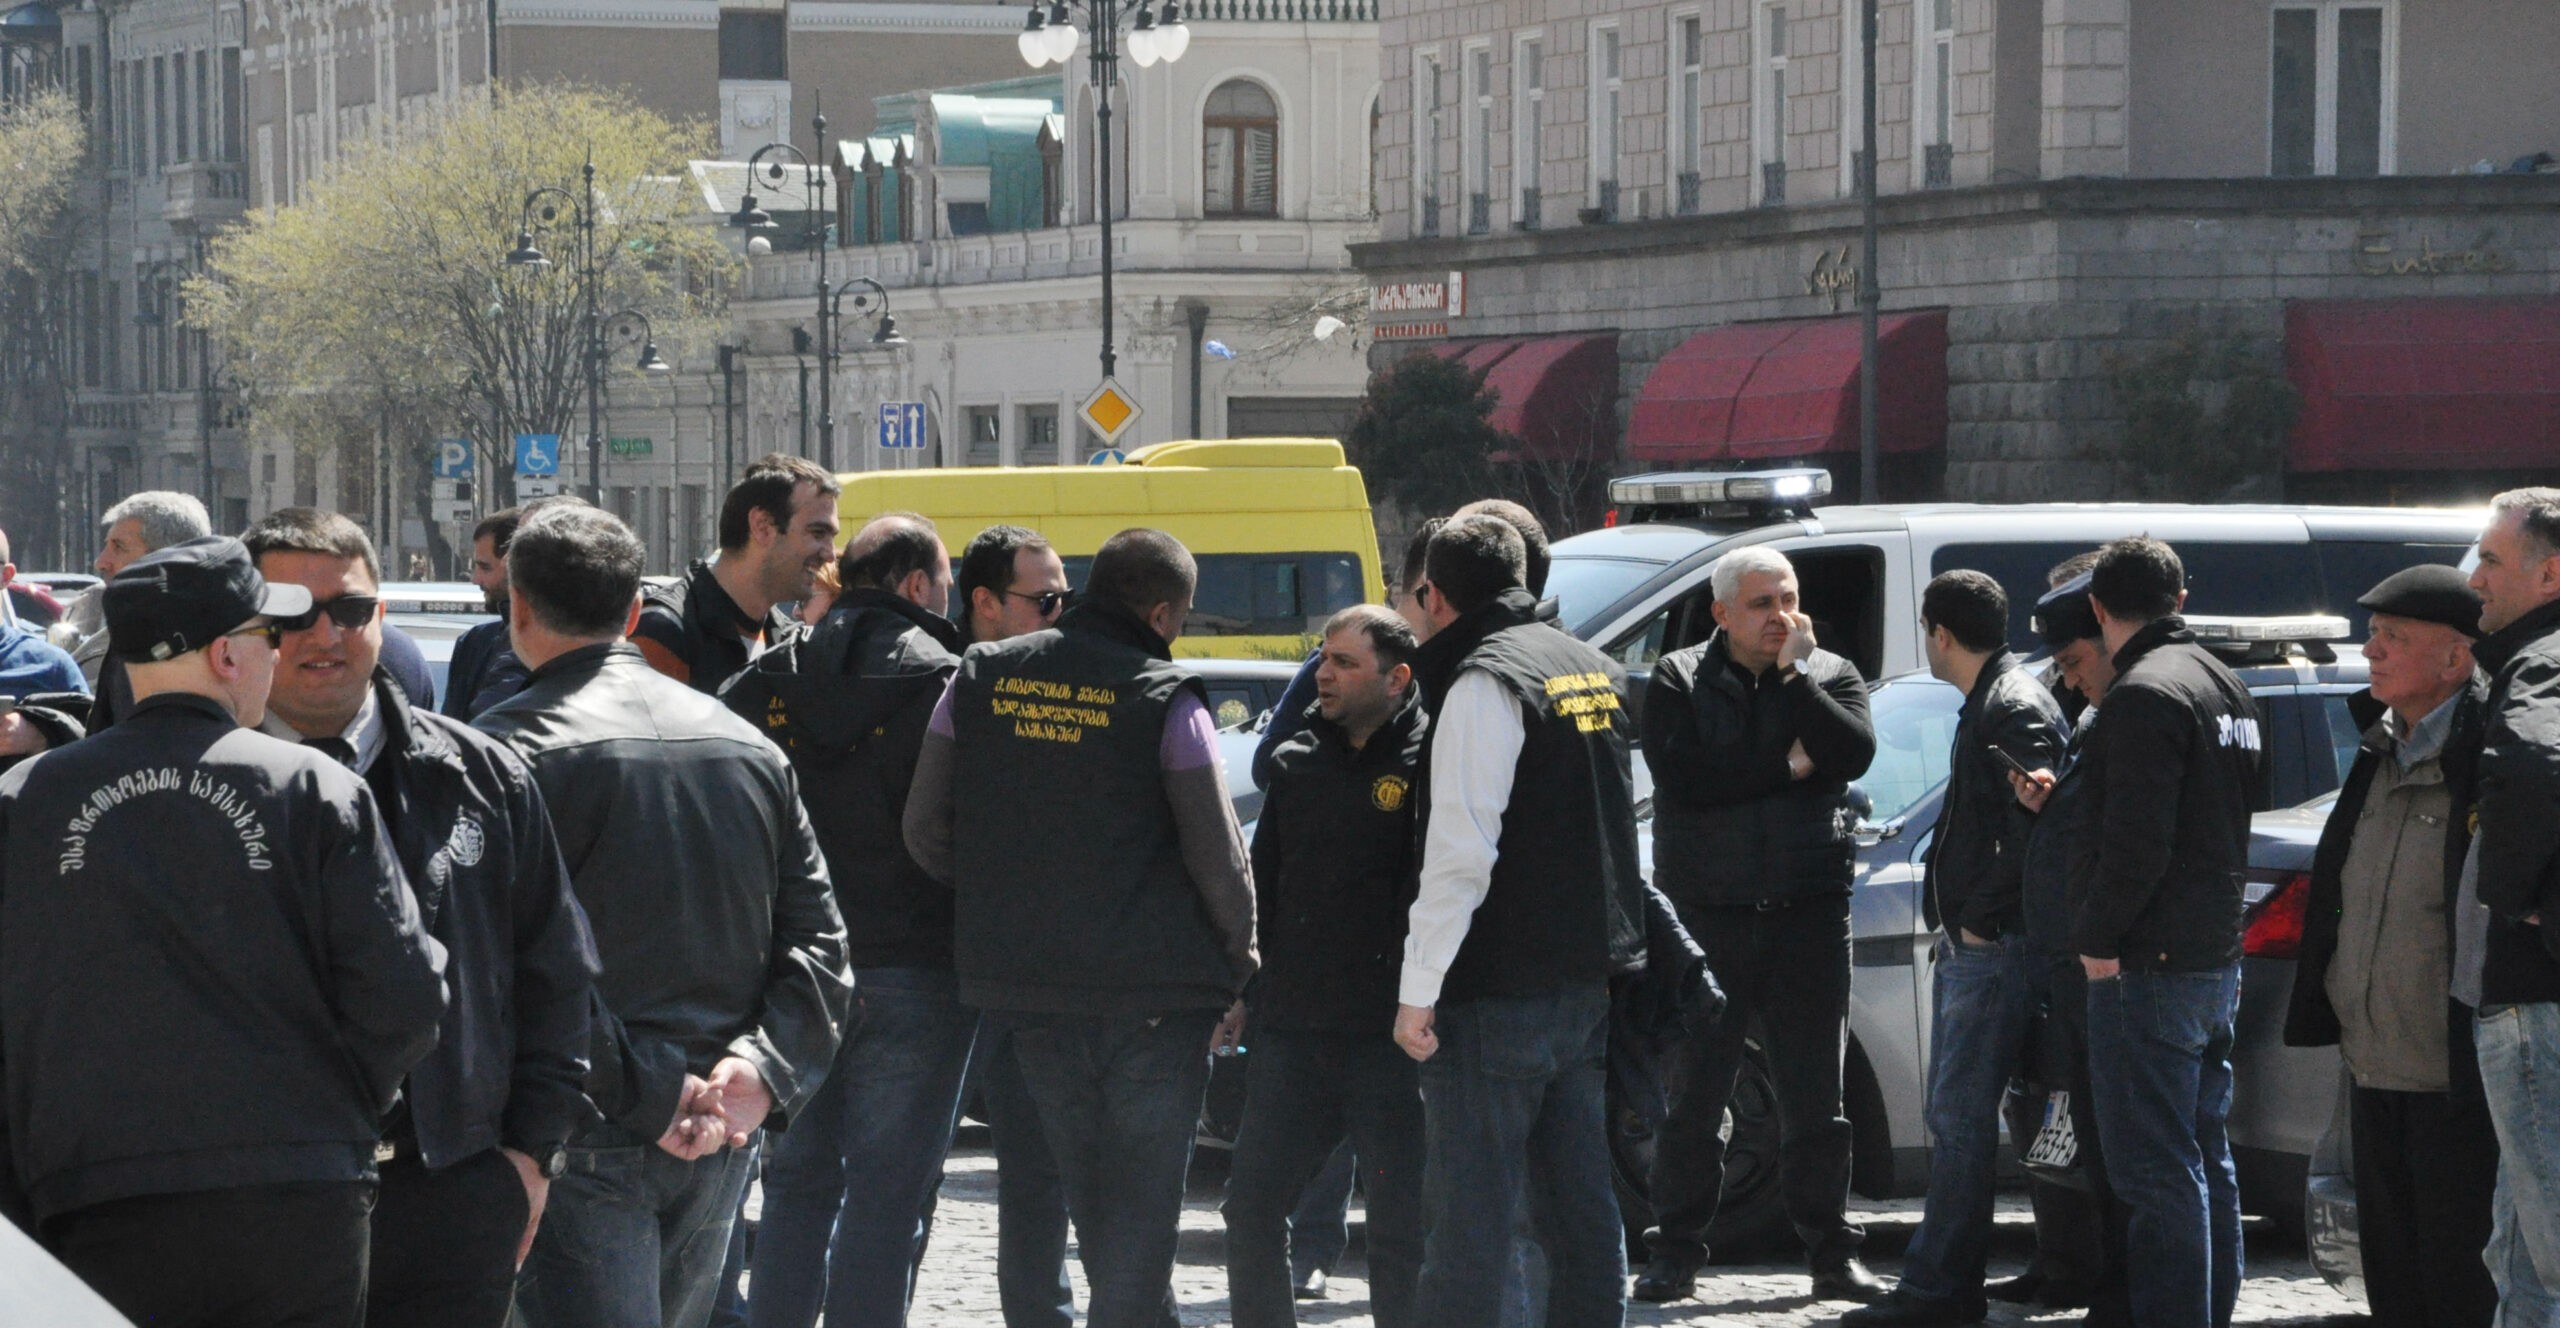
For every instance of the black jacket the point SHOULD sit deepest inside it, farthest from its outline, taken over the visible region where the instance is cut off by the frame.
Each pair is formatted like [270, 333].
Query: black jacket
[2515, 807]
[686, 843]
[211, 971]
[2311, 1020]
[474, 837]
[1333, 875]
[1977, 858]
[2061, 851]
[1730, 825]
[2172, 761]
[484, 671]
[848, 703]
[695, 633]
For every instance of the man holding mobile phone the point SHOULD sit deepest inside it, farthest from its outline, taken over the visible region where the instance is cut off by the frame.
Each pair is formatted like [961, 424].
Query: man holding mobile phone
[1985, 999]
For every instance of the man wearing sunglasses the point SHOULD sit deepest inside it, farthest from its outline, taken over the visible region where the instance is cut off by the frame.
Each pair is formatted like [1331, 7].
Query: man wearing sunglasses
[213, 978]
[482, 1124]
[1010, 583]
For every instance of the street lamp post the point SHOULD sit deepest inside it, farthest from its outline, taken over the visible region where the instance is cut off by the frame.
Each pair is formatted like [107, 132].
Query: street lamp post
[870, 301]
[759, 224]
[1050, 37]
[550, 199]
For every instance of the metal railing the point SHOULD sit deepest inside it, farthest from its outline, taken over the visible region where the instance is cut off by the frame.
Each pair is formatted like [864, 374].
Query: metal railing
[1283, 11]
[1688, 201]
[1608, 208]
[1430, 222]
[1938, 165]
[1479, 214]
[1773, 184]
[1528, 209]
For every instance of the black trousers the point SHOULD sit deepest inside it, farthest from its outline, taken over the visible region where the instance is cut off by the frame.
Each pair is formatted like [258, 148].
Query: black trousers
[2426, 1168]
[1785, 973]
[444, 1243]
[260, 1256]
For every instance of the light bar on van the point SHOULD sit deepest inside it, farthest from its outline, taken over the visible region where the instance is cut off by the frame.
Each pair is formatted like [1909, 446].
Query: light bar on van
[1691, 489]
[2304, 627]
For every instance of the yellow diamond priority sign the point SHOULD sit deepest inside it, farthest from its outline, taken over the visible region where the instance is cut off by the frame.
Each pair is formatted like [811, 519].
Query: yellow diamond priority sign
[1110, 410]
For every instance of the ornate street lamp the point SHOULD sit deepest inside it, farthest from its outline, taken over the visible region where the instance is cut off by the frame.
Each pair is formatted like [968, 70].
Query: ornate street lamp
[542, 209]
[758, 223]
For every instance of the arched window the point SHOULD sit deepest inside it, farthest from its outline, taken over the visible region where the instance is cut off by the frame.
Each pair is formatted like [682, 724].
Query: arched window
[1240, 152]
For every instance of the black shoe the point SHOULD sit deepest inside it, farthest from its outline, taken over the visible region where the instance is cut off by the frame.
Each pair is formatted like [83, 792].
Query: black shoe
[1850, 1280]
[2026, 1288]
[1311, 1286]
[1666, 1279]
[1900, 1309]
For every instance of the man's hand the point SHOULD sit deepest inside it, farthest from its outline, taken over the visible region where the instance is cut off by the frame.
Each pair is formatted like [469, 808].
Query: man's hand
[2032, 789]
[1228, 1037]
[1799, 764]
[697, 1130]
[537, 1192]
[2097, 969]
[1800, 642]
[743, 1099]
[20, 737]
[1413, 1031]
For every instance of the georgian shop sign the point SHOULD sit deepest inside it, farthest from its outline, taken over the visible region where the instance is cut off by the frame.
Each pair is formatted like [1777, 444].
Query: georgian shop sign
[1412, 310]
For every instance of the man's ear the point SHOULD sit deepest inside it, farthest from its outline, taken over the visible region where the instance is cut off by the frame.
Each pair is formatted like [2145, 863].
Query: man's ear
[631, 620]
[1398, 679]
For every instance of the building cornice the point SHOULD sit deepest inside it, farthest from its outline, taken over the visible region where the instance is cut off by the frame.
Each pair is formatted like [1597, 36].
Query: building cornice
[903, 16]
[703, 14]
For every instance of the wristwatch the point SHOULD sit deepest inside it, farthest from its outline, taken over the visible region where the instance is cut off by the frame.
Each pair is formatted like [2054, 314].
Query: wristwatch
[551, 1159]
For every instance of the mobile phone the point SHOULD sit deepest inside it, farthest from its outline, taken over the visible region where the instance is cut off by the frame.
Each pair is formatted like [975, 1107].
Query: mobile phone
[2004, 758]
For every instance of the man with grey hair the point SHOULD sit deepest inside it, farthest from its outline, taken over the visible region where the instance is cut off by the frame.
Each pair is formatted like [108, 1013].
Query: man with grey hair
[1753, 736]
[2506, 959]
[144, 523]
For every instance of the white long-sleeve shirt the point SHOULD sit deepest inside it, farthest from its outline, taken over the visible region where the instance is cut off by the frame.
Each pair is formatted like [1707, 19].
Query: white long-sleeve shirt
[1475, 748]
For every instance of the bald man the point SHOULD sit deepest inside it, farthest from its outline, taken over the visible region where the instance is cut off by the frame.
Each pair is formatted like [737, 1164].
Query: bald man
[848, 1189]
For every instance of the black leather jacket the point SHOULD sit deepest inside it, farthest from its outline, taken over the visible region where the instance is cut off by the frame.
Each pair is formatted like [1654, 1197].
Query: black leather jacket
[686, 842]
[474, 837]
[1730, 825]
[2516, 805]
[1977, 859]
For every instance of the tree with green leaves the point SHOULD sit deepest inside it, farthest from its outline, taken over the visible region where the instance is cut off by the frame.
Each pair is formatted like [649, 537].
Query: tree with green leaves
[2203, 416]
[385, 293]
[41, 142]
[1424, 438]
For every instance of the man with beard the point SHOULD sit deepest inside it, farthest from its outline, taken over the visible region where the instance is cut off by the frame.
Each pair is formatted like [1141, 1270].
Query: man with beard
[777, 528]
[485, 669]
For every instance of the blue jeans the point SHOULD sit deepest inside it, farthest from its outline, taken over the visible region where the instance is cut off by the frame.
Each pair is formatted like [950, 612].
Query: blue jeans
[1303, 1093]
[863, 1157]
[1119, 1100]
[1513, 1102]
[1031, 1206]
[1985, 1002]
[633, 1238]
[2160, 1075]
[2520, 1074]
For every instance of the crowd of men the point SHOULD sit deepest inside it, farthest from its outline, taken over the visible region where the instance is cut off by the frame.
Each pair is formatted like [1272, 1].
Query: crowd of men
[321, 1004]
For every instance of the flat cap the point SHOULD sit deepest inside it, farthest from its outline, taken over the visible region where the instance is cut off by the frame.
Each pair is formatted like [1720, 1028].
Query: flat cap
[2428, 592]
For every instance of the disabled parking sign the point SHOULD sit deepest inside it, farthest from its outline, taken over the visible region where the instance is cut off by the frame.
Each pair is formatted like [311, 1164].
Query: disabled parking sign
[538, 455]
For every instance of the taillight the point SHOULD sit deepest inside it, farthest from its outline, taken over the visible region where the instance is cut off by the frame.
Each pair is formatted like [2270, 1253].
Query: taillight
[2274, 929]
[1609, 518]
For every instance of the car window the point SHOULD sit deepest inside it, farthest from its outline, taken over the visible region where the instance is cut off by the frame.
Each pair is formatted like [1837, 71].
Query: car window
[2334, 744]
[1583, 586]
[1641, 648]
[1915, 721]
[2349, 568]
[2222, 578]
[1232, 705]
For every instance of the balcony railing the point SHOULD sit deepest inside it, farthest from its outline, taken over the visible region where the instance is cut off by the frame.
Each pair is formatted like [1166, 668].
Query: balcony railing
[1479, 213]
[1282, 11]
[1688, 202]
[1773, 184]
[204, 193]
[1430, 220]
[1607, 210]
[1938, 165]
[1275, 244]
[1528, 209]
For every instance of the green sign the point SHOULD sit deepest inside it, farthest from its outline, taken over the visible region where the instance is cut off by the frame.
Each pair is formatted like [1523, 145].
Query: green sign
[629, 446]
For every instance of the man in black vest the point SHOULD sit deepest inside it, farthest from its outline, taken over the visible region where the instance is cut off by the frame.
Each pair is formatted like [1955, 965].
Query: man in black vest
[1753, 737]
[213, 977]
[1531, 899]
[777, 528]
[1332, 867]
[483, 1124]
[849, 704]
[1105, 905]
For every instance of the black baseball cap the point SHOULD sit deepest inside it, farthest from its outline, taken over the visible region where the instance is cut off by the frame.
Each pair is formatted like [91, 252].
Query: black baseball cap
[173, 600]
[2064, 616]
[2429, 592]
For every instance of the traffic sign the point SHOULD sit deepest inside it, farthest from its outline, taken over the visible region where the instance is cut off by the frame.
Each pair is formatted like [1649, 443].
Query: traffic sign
[452, 459]
[453, 511]
[901, 424]
[1110, 410]
[631, 446]
[537, 454]
[536, 486]
[1109, 456]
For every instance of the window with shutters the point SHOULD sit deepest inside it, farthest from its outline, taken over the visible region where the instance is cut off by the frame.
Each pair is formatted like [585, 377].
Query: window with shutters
[2331, 95]
[1240, 154]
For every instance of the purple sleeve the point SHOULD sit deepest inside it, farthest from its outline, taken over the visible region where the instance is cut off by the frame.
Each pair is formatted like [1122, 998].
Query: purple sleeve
[941, 721]
[1190, 736]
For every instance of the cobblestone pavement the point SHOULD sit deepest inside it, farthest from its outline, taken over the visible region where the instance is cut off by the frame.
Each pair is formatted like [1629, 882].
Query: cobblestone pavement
[958, 1287]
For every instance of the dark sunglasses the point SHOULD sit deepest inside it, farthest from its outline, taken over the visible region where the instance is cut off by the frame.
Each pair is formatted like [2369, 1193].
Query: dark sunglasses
[1047, 601]
[349, 612]
[273, 631]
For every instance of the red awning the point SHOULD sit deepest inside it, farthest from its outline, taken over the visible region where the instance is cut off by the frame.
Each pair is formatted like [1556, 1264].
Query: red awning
[2424, 384]
[1754, 391]
[1557, 395]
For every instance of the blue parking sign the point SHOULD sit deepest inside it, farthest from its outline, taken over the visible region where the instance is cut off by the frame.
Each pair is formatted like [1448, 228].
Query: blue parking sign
[452, 460]
[537, 454]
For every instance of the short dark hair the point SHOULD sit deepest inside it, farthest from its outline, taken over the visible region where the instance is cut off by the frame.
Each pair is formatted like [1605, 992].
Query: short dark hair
[987, 564]
[1139, 569]
[312, 530]
[2137, 579]
[2538, 512]
[576, 568]
[1389, 634]
[1533, 536]
[1475, 558]
[1417, 552]
[2075, 565]
[907, 544]
[499, 528]
[769, 486]
[1971, 606]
